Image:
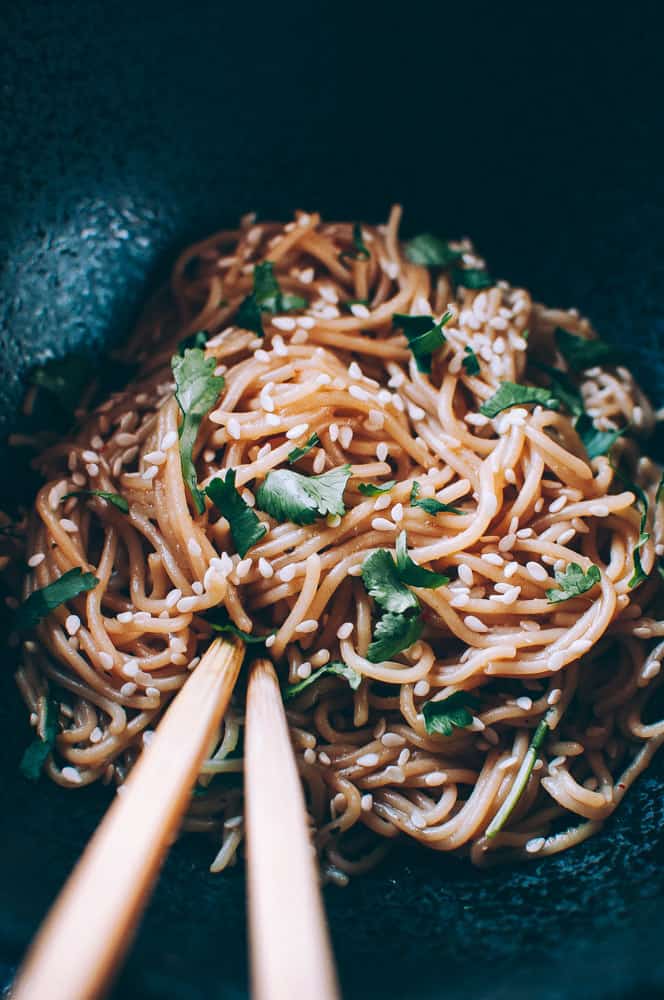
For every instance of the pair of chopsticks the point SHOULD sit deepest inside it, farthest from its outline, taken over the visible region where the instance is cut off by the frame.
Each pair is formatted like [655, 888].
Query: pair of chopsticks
[97, 911]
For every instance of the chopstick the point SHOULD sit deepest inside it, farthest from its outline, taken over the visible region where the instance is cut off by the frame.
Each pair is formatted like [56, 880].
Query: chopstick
[89, 928]
[290, 947]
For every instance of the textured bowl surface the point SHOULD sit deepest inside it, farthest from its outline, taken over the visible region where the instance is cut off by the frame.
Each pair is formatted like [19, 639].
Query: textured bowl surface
[132, 128]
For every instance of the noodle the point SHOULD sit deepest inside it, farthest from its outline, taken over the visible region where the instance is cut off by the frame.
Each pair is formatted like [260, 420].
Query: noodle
[519, 503]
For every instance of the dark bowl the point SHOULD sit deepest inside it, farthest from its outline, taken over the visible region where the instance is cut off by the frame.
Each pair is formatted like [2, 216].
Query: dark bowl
[131, 129]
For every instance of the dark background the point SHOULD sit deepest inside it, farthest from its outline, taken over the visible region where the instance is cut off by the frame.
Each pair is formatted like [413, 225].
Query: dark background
[128, 129]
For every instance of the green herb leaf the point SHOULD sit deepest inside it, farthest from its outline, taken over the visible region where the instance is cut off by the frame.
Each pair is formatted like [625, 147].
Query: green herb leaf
[370, 490]
[430, 505]
[512, 394]
[246, 529]
[430, 251]
[595, 442]
[39, 750]
[573, 582]
[359, 251]
[450, 713]
[520, 780]
[424, 336]
[198, 339]
[41, 602]
[220, 621]
[266, 297]
[335, 667]
[580, 353]
[641, 502]
[298, 453]
[470, 362]
[381, 580]
[197, 389]
[563, 388]
[114, 498]
[289, 496]
[411, 573]
[473, 277]
[393, 634]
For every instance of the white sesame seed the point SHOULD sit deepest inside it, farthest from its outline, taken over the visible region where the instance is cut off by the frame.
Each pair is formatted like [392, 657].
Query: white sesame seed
[366, 802]
[535, 845]
[557, 504]
[334, 432]
[286, 323]
[71, 774]
[493, 558]
[308, 625]
[421, 689]
[474, 624]
[536, 571]
[234, 429]
[186, 604]
[69, 526]
[173, 597]
[358, 393]
[128, 689]
[368, 760]
[159, 457]
[92, 456]
[36, 559]
[345, 436]
[243, 567]
[320, 658]
[525, 533]
[309, 756]
[324, 759]
[197, 587]
[466, 575]
[96, 735]
[287, 573]
[124, 617]
[130, 668]
[554, 696]
[525, 703]
[538, 505]
[382, 451]
[105, 661]
[72, 624]
[382, 502]
[392, 740]
[404, 757]
[382, 524]
[168, 440]
[264, 568]
[150, 472]
[344, 631]
[436, 778]
[297, 431]
[304, 671]
[194, 548]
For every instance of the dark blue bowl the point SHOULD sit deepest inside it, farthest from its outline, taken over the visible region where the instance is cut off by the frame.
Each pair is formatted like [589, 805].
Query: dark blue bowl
[133, 128]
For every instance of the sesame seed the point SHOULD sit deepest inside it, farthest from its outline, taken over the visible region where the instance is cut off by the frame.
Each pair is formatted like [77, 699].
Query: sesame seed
[105, 661]
[397, 512]
[286, 323]
[334, 432]
[92, 456]
[382, 502]
[525, 533]
[320, 658]
[535, 845]
[69, 526]
[358, 393]
[124, 617]
[536, 571]
[173, 597]
[197, 587]
[392, 740]
[130, 668]
[368, 760]
[422, 689]
[159, 457]
[287, 573]
[345, 436]
[194, 548]
[304, 671]
[466, 575]
[382, 524]
[71, 774]
[186, 604]
[324, 759]
[308, 625]
[507, 543]
[382, 451]
[96, 735]
[234, 429]
[297, 431]
[128, 689]
[72, 624]
[309, 756]
[344, 631]
[168, 440]
[554, 696]
[474, 624]
[436, 778]
[404, 757]
[460, 600]
[493, 558]
[366, 802]
[525, 703]
[36, 560]
[264, 568]
[243, 567]
[538, 505]
[557, 504]
[151, 472]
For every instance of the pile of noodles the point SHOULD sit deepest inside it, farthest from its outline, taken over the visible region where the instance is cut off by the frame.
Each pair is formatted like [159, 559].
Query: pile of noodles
[532, 504]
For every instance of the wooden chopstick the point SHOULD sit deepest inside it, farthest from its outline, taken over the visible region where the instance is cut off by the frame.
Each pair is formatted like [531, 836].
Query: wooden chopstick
[87, 931]
[290, 948]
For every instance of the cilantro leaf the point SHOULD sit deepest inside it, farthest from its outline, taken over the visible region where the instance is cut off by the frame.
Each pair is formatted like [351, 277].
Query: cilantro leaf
[333, 667]
[470, 362]
[266, 297]
[563, 389]
[393, 634]
[40, 602]
[473, 277]
[430, 505]
[424, 336]
[114, 498]
[450, 713]
[38, 751]
[197, 389]
[595, 442]
[411, 573]
[220, 621]
[359, 251]
[198, 339]
[381, 581]
[370, 490]
[641, 502]
[430, 251]
[520, 780]
[580, 353]
[298, 453]
[246, 528]
[289, 496]
[512, 394]
[572, 583]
